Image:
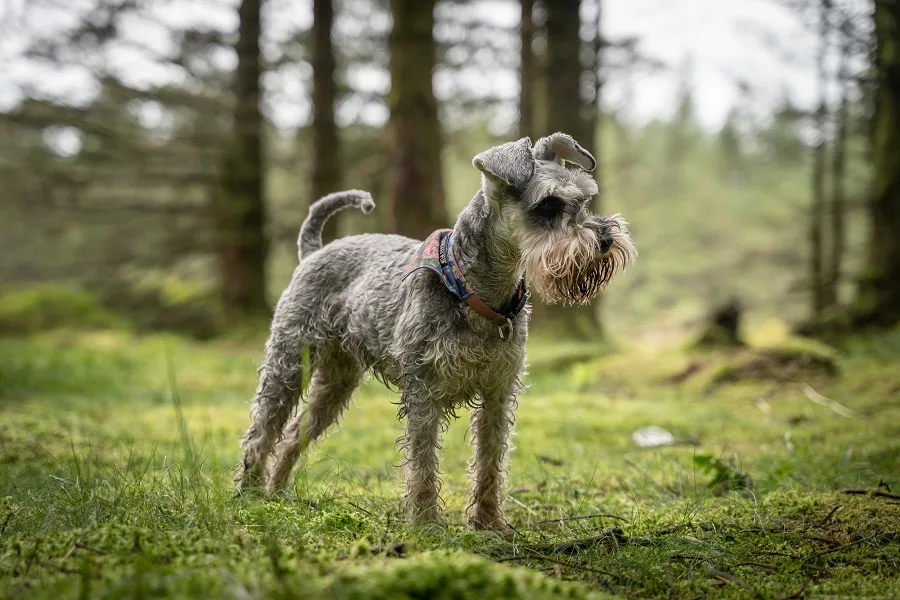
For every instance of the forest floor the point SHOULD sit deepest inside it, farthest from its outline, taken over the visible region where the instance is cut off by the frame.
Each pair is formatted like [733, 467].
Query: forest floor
[116, 458]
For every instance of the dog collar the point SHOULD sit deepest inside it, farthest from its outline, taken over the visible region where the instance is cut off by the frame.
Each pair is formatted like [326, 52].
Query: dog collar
[436, 254]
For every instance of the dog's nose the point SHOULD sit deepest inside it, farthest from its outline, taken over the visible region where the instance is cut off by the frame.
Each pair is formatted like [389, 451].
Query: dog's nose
[604, 242]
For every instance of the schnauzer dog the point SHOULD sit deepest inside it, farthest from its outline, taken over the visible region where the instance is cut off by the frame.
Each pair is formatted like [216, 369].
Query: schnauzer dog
[444, 320]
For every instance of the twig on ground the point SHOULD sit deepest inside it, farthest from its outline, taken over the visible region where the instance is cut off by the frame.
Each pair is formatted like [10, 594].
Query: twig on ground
[750, 563]
[358, 507]
[827, 518]
[827, 402]
[728, 577]
[531, 555]
[670, 530]
[841, 547]
[876, 493]
[580, 518]
[614, 535]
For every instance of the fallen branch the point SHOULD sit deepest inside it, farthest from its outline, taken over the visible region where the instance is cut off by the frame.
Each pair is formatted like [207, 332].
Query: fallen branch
[841, 547]
[614, 535]
[734, 581]
[876, 493]
[829, 515]
[751, 563]
[540, 557]
[580, 518]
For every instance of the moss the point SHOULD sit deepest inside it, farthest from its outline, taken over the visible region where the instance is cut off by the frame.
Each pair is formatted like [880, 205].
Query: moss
[51, 306]
[104, 496]
[446, 576]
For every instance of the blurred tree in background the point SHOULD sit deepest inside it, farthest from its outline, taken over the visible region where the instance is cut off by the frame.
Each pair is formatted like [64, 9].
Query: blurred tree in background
[417, 179]
[326, 156]
[879, 298]
[239, 204]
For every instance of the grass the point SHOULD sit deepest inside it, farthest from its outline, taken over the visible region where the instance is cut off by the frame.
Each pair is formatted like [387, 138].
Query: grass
[116, 456]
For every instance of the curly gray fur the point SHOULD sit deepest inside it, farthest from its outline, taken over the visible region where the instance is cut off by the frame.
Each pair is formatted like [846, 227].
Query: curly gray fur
[310, 238]
[350, 303]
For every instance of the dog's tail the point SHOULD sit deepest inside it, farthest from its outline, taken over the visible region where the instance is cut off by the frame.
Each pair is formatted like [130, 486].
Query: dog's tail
[310, 238]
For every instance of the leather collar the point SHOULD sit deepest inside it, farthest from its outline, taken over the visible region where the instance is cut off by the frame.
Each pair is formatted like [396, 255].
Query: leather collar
[436, 254]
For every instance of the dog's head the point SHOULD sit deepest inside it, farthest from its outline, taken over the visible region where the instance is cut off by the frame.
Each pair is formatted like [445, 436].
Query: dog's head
[568, 253]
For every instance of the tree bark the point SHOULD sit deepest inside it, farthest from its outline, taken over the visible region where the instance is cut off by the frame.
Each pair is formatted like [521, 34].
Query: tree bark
[326, 167]
[878, 303]
[240, 207]
[417, 183]
[526, 71]
[817, 209]
[839, 162]
[567, 112]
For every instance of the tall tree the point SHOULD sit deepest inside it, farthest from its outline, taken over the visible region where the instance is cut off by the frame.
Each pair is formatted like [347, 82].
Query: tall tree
[879, 293]
[417, 182]
[817, 281]
[684, 125]
[838, 169]
[567, 112]
[593, 112]
[526, 70]
[239, 206]
[326, 167]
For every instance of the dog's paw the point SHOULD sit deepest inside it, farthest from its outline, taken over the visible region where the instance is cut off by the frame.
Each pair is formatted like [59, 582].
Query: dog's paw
[496, 524]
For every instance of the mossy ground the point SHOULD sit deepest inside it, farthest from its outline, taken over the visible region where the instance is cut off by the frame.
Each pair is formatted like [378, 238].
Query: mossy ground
[115, 477]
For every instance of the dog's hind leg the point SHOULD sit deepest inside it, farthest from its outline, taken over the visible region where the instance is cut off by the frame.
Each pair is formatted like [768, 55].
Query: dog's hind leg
[336, 375]
[279, 388]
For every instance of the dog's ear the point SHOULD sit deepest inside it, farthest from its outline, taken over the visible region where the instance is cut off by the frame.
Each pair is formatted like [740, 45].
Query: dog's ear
[560, 147]
[511, 163]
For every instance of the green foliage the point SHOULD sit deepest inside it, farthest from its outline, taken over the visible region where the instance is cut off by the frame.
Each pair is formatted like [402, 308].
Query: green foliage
[26, 310]
[158, 300]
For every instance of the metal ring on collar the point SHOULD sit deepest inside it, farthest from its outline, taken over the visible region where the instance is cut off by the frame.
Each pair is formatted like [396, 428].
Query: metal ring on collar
[506, 329]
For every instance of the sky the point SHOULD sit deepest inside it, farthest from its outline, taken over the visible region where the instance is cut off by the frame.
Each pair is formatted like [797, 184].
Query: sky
[758, 42]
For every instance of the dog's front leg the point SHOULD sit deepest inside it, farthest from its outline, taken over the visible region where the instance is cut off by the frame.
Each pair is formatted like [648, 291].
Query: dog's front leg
[492, 424]
[421, 442]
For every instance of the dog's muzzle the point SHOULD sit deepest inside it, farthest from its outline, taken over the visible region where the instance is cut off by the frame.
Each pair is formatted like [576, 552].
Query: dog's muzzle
[573, 267]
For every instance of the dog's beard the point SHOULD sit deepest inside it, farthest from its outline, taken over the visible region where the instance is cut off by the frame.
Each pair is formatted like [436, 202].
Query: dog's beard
[567, 268]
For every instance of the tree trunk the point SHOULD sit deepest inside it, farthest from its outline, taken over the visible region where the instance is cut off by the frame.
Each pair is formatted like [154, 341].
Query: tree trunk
[817, 209]
[526, 71]
[595, 111]
[567, 112]
[838, 190]
[240, 206]
[326, 167]
[417, 183]
[879, 294]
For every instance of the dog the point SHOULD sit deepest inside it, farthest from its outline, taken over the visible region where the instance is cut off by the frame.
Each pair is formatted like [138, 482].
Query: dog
[444, 320]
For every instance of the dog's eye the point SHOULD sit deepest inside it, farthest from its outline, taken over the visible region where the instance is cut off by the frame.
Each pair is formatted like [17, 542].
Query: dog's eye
[549, 208]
